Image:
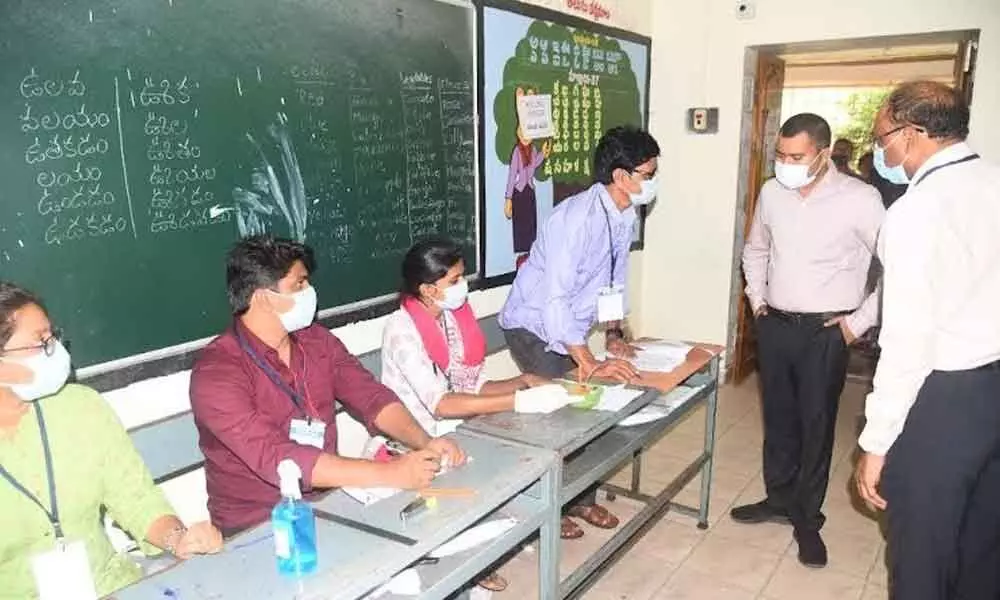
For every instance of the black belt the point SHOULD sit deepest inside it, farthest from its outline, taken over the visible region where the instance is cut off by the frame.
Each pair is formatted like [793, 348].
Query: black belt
[799, 318]
[987, 367]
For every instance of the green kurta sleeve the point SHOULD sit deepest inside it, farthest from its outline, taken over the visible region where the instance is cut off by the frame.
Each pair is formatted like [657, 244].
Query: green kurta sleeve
[131, 497]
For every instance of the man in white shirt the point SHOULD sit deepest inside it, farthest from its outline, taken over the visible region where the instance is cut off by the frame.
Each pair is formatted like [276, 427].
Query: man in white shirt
[933, 418]
[806, 263]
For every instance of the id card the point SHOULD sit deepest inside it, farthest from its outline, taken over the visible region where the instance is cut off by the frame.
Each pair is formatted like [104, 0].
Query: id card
[610, 304]
[63, 573]
[308, 433]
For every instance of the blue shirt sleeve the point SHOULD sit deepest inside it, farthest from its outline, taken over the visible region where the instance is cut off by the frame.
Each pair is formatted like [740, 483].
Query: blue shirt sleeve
[567, 236]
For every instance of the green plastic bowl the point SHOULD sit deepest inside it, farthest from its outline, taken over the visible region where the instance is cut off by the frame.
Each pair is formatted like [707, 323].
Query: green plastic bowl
[588, 400]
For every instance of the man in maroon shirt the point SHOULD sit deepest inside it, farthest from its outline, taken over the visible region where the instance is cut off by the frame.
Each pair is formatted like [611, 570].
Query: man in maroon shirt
[265, 389]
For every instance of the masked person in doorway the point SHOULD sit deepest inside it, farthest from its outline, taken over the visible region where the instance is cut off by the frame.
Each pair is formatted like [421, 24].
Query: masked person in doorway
[933, 417]
[265, 389]
[806, 264]
[575, 276]
[65, 458]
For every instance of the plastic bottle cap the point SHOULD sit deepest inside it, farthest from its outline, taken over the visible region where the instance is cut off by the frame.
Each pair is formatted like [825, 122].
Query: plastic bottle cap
[289, 475]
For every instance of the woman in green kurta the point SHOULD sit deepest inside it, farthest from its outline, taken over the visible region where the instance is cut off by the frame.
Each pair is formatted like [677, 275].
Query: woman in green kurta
[92, 460]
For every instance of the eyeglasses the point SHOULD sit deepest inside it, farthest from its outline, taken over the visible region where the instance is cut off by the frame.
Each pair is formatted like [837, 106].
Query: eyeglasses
[876, 139]
[647, 175]
[48, 345]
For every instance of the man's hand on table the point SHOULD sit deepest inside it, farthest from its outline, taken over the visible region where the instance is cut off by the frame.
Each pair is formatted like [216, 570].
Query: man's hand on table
[450, 454]
[614, 368]
[414, 470]
[618, 347]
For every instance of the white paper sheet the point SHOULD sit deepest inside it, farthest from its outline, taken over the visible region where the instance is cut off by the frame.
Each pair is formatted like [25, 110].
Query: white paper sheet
[645, 415]
[616, 398]
[472, 537]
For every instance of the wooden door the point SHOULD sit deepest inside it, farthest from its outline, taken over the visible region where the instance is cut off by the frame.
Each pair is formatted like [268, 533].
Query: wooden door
[768, 85]
[965, 69]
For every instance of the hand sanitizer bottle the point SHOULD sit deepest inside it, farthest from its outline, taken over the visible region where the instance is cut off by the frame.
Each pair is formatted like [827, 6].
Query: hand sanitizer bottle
[294, 525]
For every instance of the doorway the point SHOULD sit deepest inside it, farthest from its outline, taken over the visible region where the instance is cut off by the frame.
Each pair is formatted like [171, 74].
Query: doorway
[776, 73]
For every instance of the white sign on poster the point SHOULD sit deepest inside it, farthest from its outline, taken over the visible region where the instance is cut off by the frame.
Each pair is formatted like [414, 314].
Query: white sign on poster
[534, 112]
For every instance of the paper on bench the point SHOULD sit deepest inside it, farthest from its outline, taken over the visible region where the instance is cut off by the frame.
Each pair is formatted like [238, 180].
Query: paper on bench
[368, 496]
[658, 356]
[645, 415]
[615, 398]
[405, 583]
[472, 537]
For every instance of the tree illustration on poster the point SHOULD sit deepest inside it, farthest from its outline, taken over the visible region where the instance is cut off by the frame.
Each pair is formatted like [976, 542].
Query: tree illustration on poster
[597, 79]
[593, 89]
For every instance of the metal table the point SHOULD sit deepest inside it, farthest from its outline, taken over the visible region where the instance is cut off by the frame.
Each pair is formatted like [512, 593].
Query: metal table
[592, 447]
[353, 562]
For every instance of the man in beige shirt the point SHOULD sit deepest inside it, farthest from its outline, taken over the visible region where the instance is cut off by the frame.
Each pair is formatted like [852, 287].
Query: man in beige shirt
[806, 263]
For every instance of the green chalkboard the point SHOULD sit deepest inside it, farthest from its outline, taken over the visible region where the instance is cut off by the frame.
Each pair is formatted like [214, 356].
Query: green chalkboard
[140, 138]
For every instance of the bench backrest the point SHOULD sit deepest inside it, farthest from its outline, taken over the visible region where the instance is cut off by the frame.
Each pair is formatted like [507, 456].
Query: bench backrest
[170, 445]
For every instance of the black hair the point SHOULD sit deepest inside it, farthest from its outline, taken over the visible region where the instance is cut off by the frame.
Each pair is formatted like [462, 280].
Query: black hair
[812, 125]
[623, 147]
[12, 299]
[935, 107]
[260, 262]
[426, 262]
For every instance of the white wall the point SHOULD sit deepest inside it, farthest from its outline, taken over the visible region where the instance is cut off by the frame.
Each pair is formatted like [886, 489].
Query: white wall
[149, 400]
[698, 51]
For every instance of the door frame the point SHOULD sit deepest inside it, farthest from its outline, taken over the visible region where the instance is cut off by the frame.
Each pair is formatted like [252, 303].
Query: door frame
[968, 42]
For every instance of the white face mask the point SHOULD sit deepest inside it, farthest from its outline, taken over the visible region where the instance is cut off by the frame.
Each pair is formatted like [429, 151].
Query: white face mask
[646, 194]
[794, 176]
[49, 373]
[303, 310]
[454, 296]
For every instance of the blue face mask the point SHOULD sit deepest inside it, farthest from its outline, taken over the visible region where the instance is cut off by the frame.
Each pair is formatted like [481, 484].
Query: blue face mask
[896, 175]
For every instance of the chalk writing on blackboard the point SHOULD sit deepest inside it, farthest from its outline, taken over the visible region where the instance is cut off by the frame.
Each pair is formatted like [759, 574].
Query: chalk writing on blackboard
[178, 178]
[268, 196]
[65, 133]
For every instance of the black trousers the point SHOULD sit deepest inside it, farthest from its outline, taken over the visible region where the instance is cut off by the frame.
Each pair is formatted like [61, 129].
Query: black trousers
[802, 370]
[530, 355]
[942, 484]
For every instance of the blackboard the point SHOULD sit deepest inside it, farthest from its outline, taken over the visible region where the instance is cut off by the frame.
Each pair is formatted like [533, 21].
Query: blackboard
[140, 138]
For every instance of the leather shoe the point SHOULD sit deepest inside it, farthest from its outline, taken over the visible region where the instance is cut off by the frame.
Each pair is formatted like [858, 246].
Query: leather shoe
[812, 550]
[761, 512]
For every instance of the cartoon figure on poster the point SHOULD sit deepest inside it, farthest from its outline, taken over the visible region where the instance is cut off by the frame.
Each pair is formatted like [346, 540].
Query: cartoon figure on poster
[520, 205]
[576, 84]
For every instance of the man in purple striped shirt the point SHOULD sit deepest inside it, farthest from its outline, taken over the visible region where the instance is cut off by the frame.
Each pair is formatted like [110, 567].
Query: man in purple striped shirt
[580, 257]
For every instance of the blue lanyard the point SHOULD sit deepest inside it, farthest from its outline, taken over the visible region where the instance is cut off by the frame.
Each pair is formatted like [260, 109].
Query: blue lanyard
[611, 244]
[53, 514]
[947, 164]
[272, 374]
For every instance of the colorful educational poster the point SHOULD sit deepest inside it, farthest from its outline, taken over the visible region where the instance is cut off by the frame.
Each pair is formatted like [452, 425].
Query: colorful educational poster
[590, 78]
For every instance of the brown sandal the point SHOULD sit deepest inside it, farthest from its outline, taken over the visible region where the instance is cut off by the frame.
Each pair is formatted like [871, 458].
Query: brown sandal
[493, 582]
[569, 530]
[596, 515]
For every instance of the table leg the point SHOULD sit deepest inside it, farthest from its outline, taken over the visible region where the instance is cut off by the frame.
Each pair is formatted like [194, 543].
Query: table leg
[636, 471]
[549, 538]
[706, 470]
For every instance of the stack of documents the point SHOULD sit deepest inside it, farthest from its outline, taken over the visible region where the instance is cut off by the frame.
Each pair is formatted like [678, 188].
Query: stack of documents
[657, 356]
[660, 356]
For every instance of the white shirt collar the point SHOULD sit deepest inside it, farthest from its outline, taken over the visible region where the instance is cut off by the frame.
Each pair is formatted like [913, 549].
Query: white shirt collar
[616, 214]
[942, 157]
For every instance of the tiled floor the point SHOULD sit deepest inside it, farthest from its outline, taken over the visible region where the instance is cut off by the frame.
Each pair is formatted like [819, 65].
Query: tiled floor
[675, 560]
